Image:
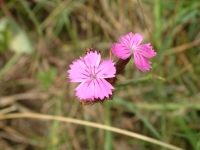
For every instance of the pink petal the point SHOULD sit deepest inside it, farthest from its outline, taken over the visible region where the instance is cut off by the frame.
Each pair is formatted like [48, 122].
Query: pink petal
[146, 50]
[104, 88]
[142, 63]
[97, 91]
[80, 90]
[137, 38]
[84, 91]
[121, 51]
[106, 69]
[92, 59]
[108, 85]
[131, 39]
[124, 41]
[77, 72]
[98, 88]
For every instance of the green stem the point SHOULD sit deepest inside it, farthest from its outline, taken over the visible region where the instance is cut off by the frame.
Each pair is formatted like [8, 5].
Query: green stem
[9, 64]
[108, 137]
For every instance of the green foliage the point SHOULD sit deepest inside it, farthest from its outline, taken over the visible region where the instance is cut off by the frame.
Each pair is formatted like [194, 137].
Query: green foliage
[13, 37]
[46, 77]
[5, 35]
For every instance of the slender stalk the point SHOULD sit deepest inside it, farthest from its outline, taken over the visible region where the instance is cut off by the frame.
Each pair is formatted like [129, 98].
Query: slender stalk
[90, 124]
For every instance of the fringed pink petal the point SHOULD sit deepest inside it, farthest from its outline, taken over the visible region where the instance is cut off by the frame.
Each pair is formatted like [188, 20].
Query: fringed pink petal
[97, 92]
[85, 91]
[106, 69]
[77, 72]
[136, 38]
[81, 90]
[146, 50]
[124, 41]
[92, 59]
[98, 89]
[142, 63]
[104, 90]
[131, 39]
[121, 51]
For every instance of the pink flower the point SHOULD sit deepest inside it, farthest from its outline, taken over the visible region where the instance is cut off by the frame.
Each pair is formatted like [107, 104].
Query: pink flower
[91, 73]
[130, 45]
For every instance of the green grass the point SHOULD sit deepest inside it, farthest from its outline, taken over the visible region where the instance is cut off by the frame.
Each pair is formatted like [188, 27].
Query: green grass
[162, 103]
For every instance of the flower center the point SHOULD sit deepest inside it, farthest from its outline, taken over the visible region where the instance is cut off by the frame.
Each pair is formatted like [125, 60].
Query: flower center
[92, 76]
[92, 73]
[133, 49]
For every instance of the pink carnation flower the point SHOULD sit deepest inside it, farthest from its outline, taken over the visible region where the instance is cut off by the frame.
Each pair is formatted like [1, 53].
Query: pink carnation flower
[91, 73]
[130, 45]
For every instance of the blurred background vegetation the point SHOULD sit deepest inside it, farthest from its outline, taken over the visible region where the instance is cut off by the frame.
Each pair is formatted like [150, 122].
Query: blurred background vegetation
[40, 38]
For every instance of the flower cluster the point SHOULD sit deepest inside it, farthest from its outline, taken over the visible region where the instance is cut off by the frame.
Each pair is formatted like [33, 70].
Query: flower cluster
[97, 78]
